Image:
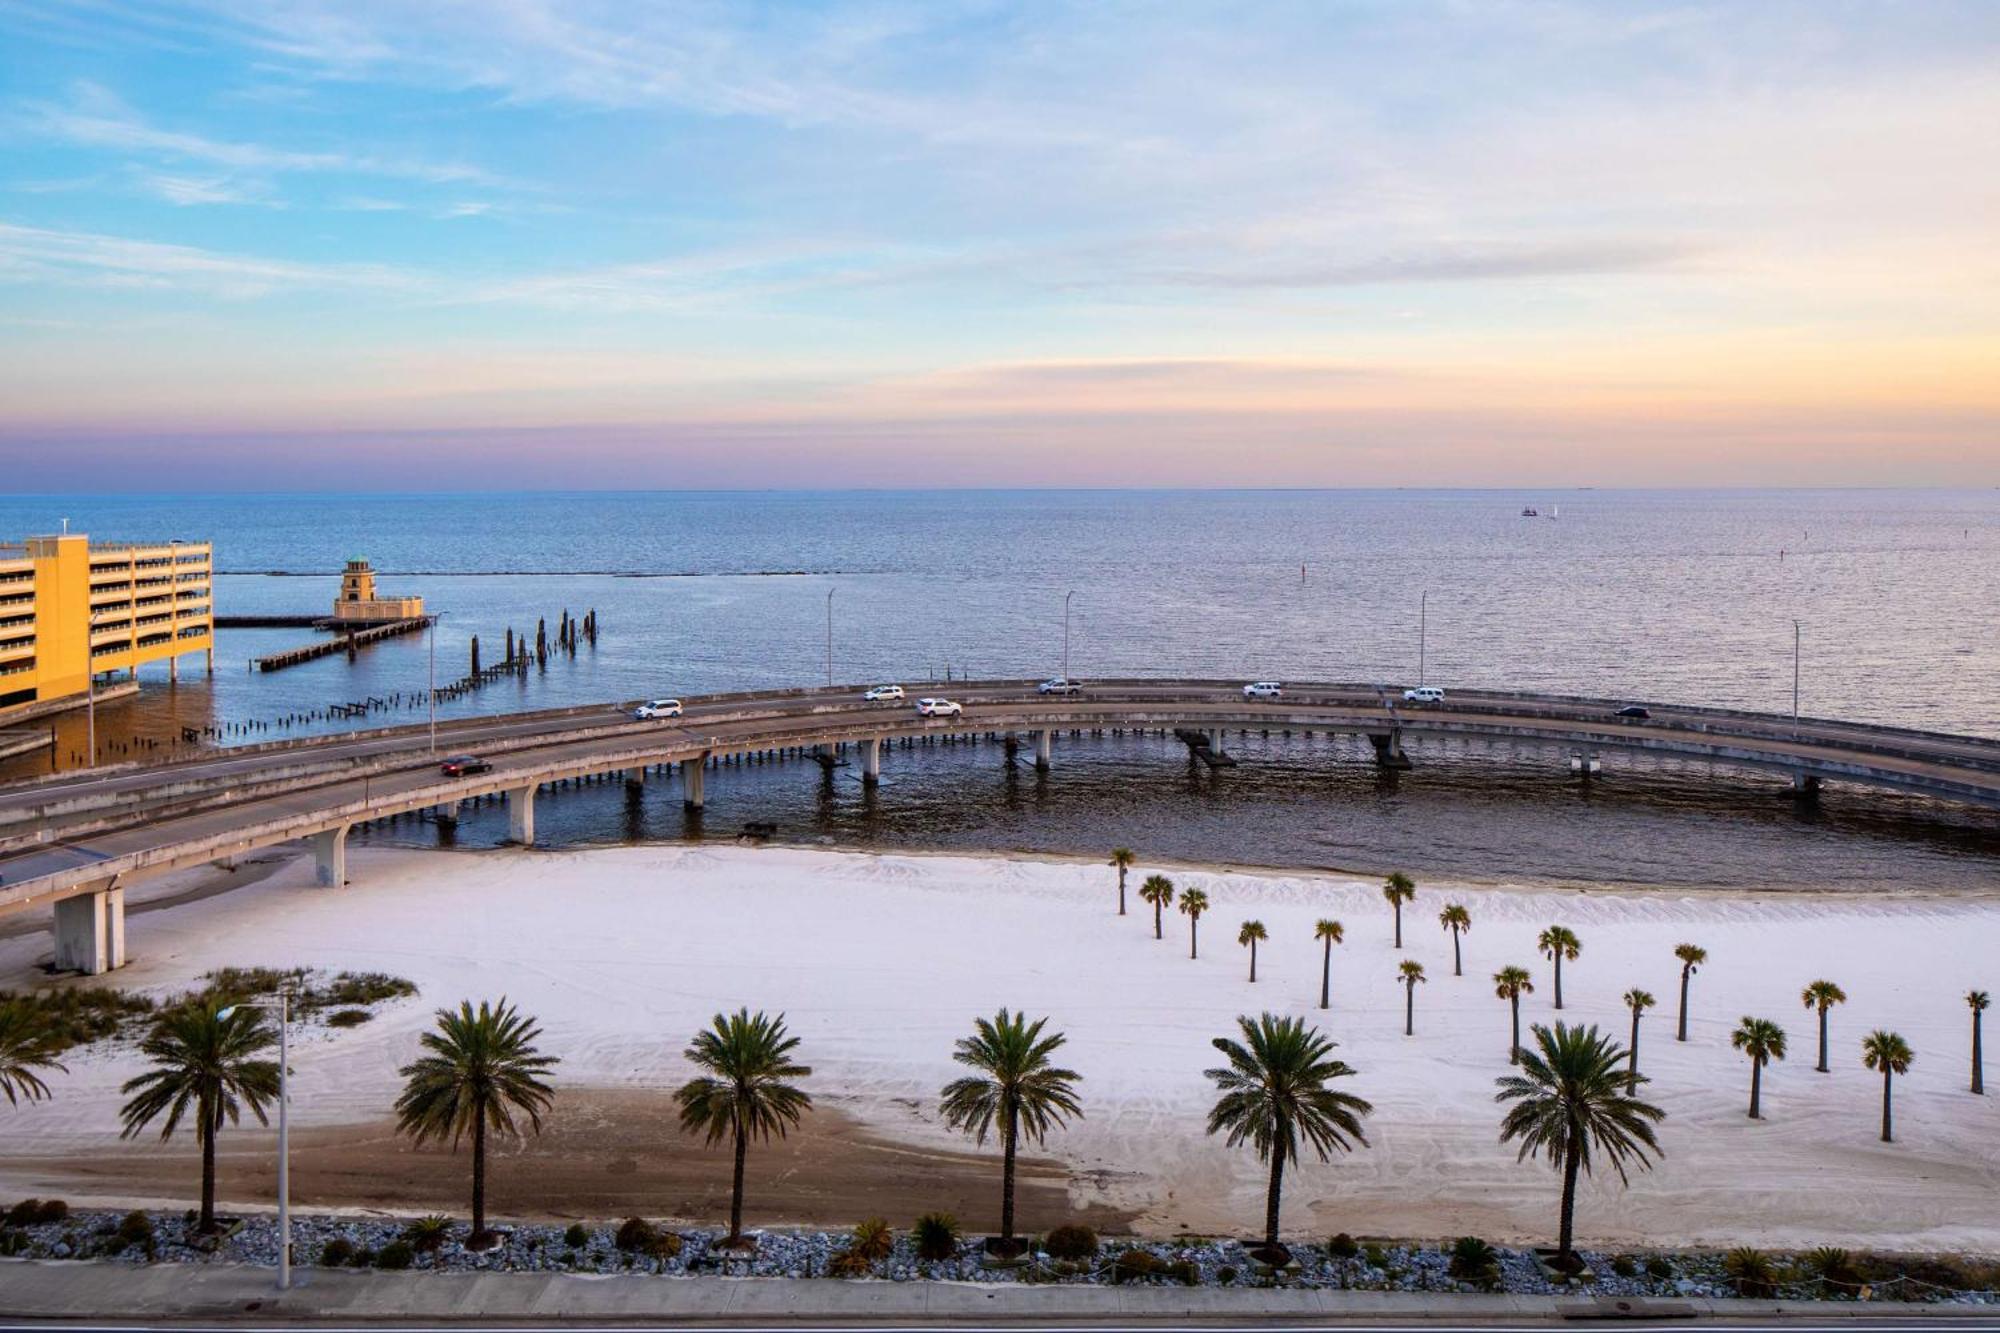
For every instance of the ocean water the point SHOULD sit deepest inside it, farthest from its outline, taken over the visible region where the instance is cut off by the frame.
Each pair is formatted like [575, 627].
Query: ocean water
[1686, 596]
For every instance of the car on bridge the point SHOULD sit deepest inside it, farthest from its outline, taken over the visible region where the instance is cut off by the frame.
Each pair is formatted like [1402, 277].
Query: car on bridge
[1635, 712]
[939, 708]
[654, 708]
[1263, 689]
[1423, 694]
[463, 765]
[883, 692]
[1060, 685]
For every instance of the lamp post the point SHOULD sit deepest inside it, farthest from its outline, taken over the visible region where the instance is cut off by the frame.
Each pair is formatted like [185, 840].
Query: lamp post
[90, 707]
[1795, 680]
[1423, 629]
[829, 638]
[284, 1008]
[1066, 596]
[433, 636]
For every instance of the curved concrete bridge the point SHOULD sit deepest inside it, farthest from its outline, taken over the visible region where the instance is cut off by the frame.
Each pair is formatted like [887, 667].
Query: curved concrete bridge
[78, 841]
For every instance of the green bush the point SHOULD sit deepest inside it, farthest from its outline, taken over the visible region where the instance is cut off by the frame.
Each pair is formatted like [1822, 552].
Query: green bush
[358, 988]
[1659, 1266]
[577, 1237]
[1343, 1246]
[1473, 1260]
[1751, 1271]
[872, 1240]
[13, 1243]
[1377, 1256]
[1624, 1265]
[1225, 1275]
[1071, 1241]
[362, 1259]
[427, 1235]
[396, 1255]
[348, 1018]
[637, 1235]
[37, 1212]
[1135, 1265]
[1185, 1272]
[135, 1228]
[936, 1236]
[79, 1015]
[337, 1253]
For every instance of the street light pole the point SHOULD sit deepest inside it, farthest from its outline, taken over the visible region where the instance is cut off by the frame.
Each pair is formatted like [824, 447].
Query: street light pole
[90, 706]
[1795, 680]
[829, 637]
[1066, 596]
[435, 617]
[284, 1007]
[1423, 629]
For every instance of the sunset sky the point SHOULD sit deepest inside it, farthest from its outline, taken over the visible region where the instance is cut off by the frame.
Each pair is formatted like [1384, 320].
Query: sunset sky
[304, 243]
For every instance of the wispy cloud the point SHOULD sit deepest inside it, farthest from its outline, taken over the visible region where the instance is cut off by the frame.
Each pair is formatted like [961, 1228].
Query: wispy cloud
[34, 254]
[189, 191]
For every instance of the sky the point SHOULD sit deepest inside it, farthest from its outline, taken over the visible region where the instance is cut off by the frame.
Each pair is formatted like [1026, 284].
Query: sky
[408, 244]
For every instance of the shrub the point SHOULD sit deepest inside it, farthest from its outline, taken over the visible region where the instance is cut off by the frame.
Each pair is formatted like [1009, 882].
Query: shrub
[577, 1236]
[637, 1235]
[872, 1240]
[337, 1253]
[1659, 1266]
[1473, 1260]
[1343, 1246]
[1225, 1275]
[397, 1254]
[1185, 1272]
[355, 988]
[427, 1235]
[668, 1246]
[362, 1259]
[77, 1016]
[1751, 1271]
[13, 1243]
[1135, 1265]
[936, 1236]
[348, 1018]
[1833, 1266]
[1377, 1256]
[37, 1212]
[1624, 1265]
[1071, 1242]
[135, 1228]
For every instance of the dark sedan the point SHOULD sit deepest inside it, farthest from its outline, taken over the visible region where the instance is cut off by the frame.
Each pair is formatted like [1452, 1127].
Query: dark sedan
[460, 765]
[1636, 713]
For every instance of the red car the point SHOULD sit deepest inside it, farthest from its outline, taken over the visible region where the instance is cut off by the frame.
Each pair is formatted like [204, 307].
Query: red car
[459, 765]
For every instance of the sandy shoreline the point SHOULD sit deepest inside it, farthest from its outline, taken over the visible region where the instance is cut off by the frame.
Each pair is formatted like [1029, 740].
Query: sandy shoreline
[882, 959]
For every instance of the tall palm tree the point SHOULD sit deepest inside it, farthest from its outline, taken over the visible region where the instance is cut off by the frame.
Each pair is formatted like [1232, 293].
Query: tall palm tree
[1889, 1054]
[1692, 956]
[1510, 983]
[1977, 1001]
[1638, 1001]
[1194, 902]
[1458, 921]
[204, 1062]
[1763, 1041]
[1275, 1093]
[1329, 933]
[1159, 891]
[479, 1068]
[1252, 932]
[1822, 995]
[1567, 1101]
[1122, 860]
[28, 1044]
[1410, 972]
[1558, 943]
[745, 1092]
[1399, 889]
[1017, 1090]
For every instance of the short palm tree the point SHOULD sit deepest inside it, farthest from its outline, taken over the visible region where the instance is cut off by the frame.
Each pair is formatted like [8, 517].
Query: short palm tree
[1399, 889]
[1890, 1055]
[1016, 1091]
[1275, 1093]
[1410, 972]
[1692, 956]
[1510, 983]
[1159, 891]
[1330, 934]
[1638, 1001]
[1558, 943]
[1193, 903]
[480, 1068]
[1252, 932]
[1458, 921]
[1569, 1099]
[27, 1044]
[204, 1061]
[1977, 1001]
[745, 1092]
[1822, 995]
[1763, 1041]
[1122, 860]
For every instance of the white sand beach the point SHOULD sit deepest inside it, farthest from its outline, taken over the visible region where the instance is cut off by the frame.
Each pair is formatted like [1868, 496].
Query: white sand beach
[881, 961]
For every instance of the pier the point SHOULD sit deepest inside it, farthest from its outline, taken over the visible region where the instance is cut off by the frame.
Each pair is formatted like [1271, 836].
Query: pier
[346, 642]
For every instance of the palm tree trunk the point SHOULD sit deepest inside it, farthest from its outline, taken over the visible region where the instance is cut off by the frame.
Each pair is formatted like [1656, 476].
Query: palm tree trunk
[1399, 923]
[1559, 978]
[1457, 964]
[1121, 890]
[1007, 1138]
[1253, 961]
[1271, 1199]
[736, 1187]
[208, 1119]
[1194, 942]
[479, 1175]
[1682, 1034]
[1514, 1051]
[1572, 1161]
[1156, 922]
[1409, 1008]
[1326, 982]
[1822, 1041]
[1756, 1085]
[1888, 1079]
[1632, 1062]
[1978, 1058]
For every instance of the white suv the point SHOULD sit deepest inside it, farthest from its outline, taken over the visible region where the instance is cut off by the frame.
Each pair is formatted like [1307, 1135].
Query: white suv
[653, 708]
[881, 692]
[1423, 694]
[1263, 689]
[938, 708]
[1060, 686]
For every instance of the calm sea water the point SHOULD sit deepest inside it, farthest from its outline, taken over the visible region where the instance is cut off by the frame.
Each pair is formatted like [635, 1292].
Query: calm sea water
[1680, 596]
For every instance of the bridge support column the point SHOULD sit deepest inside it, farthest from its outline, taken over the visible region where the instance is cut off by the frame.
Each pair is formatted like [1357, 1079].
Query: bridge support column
[692, 773]
[446, 812]
[1389, 749]
[90, 932]
[635, 777]
[521, 816]
[1044, 748]
[1806, 785]
[871, 760]
[330, 856]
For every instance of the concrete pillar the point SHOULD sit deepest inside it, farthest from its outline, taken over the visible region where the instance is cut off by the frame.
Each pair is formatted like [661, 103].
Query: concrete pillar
[114, 926]
[1806, 784]
[635, 777]
[90, 932]
[871, 760]
[692, 774]
[521, 815]
[446, 812]
[330, 857]
[1044, 747]
[1389, 750]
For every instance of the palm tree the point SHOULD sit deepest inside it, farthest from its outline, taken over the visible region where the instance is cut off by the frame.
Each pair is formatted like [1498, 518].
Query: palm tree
[1763, 1041]
[1194, 902]
[1121, 861]
[1891, 1055]
[1559, 942]
[1458, 921]
[1159, 891]
[27, 1044]
[1638, 1001]
[1411, 972]
[1822, 995]
[1016, 1089]
[479, 1068]
[1692, 956]
[205, 1062]
[1510, 983]
[1252, 932]
[1566, 1101]
[1331, 934]
[1977, 1001]
[1399, 889]
[1274, 1092]
[745, 1091]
